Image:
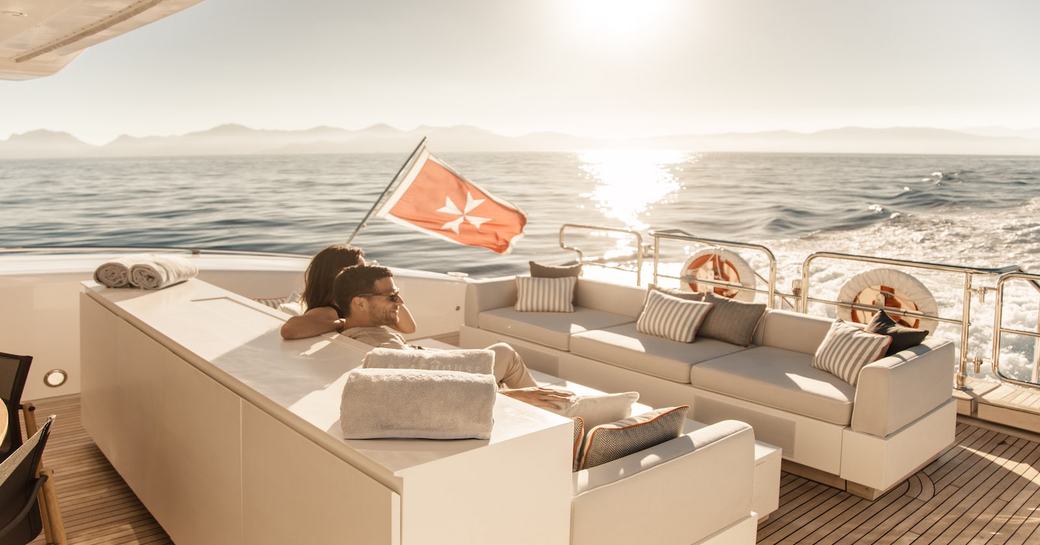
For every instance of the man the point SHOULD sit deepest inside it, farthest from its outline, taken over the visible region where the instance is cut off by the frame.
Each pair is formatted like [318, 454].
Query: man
[371, 305]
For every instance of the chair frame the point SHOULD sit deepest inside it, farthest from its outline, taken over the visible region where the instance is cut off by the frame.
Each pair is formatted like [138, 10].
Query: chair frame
[53, 525]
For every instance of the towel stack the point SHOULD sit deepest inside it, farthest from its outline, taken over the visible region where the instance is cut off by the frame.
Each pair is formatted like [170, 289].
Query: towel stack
[147, 271]
[434, 394]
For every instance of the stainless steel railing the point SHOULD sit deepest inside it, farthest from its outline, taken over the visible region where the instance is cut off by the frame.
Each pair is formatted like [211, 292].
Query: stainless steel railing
[964, 322]
[604, 262]
[999, 329]
[681, 235]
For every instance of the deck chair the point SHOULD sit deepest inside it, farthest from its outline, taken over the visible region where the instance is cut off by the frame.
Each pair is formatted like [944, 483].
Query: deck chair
[13, 372]
[20, 485]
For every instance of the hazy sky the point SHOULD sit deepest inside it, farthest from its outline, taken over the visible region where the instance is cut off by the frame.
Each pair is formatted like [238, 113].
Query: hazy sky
[589, 67]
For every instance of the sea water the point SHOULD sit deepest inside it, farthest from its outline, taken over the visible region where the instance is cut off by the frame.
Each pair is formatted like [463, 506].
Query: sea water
[970, 210]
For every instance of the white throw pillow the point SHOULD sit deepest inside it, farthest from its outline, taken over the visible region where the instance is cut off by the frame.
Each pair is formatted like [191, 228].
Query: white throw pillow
[671, 317]
[847, 349]
[545, 294]
[601, 408]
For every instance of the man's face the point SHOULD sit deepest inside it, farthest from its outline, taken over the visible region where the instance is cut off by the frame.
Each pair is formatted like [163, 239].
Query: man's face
[384, 304]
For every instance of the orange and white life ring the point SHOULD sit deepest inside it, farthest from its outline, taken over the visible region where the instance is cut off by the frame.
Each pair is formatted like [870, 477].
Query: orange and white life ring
[721, 265]
[892, 289]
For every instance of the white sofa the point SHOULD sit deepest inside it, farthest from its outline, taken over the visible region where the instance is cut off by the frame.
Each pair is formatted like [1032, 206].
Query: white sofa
[865, 439]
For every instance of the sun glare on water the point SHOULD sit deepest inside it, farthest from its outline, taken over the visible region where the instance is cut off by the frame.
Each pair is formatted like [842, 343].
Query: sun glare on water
[629, 182]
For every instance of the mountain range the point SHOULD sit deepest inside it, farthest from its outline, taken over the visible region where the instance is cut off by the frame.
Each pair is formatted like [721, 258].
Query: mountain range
[233, 139]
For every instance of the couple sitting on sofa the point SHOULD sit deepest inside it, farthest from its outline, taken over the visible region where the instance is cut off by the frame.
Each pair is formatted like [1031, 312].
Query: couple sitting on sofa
[343, 293]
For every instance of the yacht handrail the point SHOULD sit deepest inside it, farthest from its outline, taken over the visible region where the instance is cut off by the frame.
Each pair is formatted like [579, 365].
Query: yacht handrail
[682, 235]
[119, 249]
[964, 321]
[999, 329]
[581, 255]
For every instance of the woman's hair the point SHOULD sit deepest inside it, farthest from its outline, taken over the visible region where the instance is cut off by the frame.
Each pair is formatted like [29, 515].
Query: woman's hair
[355, 281]
[322, 271]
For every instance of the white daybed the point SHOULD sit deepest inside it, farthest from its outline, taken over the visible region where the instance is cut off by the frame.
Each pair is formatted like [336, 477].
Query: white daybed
[230, 435]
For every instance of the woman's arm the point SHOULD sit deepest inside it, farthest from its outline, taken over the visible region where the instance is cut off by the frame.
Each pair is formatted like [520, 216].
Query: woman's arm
[312, 323]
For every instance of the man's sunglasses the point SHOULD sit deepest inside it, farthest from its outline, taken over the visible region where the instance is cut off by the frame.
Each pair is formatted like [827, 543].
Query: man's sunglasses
[393, 297]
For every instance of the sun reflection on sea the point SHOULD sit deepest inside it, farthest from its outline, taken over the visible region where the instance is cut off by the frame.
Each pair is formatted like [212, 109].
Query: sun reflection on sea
[630, 182]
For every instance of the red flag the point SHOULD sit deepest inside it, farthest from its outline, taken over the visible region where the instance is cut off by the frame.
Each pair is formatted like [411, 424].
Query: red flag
[438, 201]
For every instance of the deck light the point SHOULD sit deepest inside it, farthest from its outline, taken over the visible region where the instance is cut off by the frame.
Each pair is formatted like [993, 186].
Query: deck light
[55, 377]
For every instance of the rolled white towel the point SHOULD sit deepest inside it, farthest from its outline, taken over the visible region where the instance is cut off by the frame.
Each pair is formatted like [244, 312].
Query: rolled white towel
[417, 404]
[161, 271]
[116, 273]
[462, 360]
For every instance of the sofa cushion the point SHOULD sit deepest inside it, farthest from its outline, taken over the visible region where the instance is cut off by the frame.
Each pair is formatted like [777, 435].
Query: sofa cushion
[902, 337]
[671, 317]
[623, 346]
[778, 378]
[545, 294]
[551, 329]
[847, 348]
[731, 321]
[791, 331]
[554, 271]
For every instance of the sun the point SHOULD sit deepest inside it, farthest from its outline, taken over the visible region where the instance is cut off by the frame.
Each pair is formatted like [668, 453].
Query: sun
[615, 18]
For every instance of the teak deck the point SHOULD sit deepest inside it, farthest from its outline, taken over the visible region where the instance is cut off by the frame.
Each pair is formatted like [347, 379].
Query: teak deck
[983, 489]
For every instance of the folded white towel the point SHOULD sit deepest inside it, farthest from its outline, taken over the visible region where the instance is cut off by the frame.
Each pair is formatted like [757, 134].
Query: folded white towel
[462, 360]
[420, 404]
[116, 273]
[161, 271]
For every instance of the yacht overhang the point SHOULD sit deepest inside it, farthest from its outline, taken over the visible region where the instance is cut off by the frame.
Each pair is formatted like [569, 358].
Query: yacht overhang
[39, 37]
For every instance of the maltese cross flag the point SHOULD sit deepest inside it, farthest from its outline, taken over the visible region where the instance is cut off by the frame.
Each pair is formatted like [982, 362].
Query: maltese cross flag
[436, 200]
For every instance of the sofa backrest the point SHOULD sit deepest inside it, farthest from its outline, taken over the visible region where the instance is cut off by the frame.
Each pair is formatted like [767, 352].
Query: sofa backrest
[610, 297]
[791, 331]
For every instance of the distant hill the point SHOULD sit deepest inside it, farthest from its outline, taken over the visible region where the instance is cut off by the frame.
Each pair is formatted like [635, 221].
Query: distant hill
[233, 139]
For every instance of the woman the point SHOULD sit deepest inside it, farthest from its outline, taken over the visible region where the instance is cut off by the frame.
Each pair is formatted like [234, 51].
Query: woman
[321, 315]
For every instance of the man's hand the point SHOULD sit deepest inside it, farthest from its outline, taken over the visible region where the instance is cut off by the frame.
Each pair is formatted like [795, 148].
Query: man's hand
[545, 398]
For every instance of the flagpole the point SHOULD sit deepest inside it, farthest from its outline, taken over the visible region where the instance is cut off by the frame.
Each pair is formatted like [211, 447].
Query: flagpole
[382, 195]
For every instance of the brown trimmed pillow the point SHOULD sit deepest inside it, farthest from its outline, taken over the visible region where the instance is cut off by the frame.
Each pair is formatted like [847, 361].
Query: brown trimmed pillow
[579, 436]
[618, 439]
[847, 349]
[731, 321]
[554, 271]
[902, 337]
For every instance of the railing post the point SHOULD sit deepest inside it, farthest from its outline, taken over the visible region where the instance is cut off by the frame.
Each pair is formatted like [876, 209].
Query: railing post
[962, 366]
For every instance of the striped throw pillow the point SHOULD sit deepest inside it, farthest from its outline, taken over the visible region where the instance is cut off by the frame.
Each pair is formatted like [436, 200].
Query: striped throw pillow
[846, 349]
[670, 317]
[545, 294]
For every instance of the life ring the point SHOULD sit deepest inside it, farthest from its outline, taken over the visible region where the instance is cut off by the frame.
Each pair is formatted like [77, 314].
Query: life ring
[892, 289]
[721, 265]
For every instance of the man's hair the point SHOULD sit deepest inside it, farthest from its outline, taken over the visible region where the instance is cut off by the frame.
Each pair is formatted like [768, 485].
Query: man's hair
[354, 281]
[322, 271]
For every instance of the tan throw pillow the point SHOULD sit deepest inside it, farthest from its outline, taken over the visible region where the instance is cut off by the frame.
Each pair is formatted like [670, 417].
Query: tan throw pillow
[671, 317]
[554, 271]
[731, 321]
[687, 295]
[616, 440]
[846, 349]
[545, 294]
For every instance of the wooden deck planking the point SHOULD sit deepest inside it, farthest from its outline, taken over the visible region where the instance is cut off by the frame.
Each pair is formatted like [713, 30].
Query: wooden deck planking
[985, 489]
